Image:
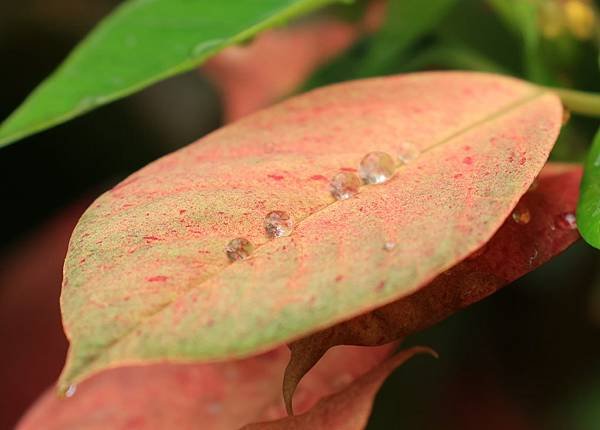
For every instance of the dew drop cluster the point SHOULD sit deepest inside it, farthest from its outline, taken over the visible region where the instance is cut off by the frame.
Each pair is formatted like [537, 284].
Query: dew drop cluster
[374, 168]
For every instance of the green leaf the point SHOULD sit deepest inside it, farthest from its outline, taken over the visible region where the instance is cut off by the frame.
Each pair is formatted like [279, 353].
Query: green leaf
[147, 277]
[588, 209]
[407, 21]
[521, 17]
[140, 43]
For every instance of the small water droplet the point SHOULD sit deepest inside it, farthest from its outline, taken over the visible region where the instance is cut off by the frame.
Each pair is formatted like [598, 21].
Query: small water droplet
[376, 168]
[521, 215]
[278, 224]
[205, 47]
[388, 246]
[238, 249]
[344, 185]
[342, 381]
[407, 153]
[71, 391]
[566, 221]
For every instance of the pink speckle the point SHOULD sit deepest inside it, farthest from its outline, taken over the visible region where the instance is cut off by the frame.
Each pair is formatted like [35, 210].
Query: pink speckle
[458, 176]
[276, 177]
[348, 169]
[151, 238]
[158, 278]
[522, 160]
[182, 211]
[338, 278]
[468, 160]
[318, 178]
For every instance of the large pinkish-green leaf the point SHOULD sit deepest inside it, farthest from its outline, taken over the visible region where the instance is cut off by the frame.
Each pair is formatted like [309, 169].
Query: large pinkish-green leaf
[516, 249]
[146, 275]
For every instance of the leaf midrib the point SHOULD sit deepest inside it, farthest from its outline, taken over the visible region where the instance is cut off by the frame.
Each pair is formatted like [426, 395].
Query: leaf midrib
[538, 92]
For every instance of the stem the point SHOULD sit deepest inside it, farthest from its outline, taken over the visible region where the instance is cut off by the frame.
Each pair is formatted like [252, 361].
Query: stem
[579, 101]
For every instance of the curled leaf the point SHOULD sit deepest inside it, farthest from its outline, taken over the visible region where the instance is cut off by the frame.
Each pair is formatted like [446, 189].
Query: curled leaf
[350, 408]
[516, 249]
[147, 277]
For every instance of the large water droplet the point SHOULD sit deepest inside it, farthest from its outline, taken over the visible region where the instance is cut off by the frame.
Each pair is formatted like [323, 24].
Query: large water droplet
[278, 224]
[238, 249]
[566, 221]
[407, 153]
[71, 391]
[521, 215]
[344, 185]
[376, 168]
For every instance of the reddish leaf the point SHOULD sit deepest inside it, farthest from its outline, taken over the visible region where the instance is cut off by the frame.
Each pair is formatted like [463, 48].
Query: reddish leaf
[210, 396]
[515, 250]
[350, 408]
[278, 61]
[147, 278]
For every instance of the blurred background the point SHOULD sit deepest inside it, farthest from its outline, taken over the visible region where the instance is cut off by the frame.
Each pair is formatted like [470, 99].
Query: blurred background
[526, 358]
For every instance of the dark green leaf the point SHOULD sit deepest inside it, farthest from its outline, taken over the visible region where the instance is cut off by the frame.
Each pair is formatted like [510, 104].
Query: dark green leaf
[588, 209]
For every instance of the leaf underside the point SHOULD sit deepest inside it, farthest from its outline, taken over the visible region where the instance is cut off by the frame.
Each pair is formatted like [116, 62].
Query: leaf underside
[146, 276]
[515, 250]
[141, 43]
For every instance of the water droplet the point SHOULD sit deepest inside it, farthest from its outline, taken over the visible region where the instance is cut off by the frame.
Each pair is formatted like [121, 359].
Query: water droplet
[407, 153]
[388, 246]
[206, 46]
[566, 221]
[342, 381]
[344, 185]
[521, 215]
[376, 168]
[278, 224]
[71, 391]
[238, 249]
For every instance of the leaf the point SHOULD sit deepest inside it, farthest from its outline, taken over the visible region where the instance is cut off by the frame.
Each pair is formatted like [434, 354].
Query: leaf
[275, 64]
[515, 250]
[522, 18]
[143, 42]
[220, 396]
[146, 275]
[407, 21]
[588, 208]
[350, 408]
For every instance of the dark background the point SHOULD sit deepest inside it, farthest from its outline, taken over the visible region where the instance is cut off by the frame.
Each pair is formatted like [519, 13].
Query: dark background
[527, 358]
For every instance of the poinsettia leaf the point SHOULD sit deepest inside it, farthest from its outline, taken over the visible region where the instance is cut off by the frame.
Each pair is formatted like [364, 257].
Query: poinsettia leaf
[147, 277]
[220, 396]
[516, 249]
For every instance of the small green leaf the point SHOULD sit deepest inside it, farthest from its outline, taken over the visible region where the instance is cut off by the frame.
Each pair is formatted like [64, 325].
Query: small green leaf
[588, 209]
[140, 43]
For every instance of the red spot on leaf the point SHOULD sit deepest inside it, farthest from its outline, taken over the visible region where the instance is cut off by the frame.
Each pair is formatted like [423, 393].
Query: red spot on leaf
[276, 177]
[151, 238]
[159, 278]
[468, 160]
[318, 178]
[338, 278]
[348, 169]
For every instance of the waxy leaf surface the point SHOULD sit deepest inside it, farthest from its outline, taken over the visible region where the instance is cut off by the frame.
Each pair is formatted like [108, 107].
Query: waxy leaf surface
[515, 250]
[588, 210]
[146, 275]
[140, 43]
[218, 396]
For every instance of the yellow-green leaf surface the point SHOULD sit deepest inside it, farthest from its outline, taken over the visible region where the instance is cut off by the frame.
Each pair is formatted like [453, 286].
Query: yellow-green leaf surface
[140, 43]
[146, 275]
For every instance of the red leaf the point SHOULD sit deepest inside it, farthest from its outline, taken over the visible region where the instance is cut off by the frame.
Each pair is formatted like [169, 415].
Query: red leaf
[515, 250]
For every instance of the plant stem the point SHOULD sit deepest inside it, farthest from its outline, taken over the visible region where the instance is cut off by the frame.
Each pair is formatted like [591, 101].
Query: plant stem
[580, 102]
